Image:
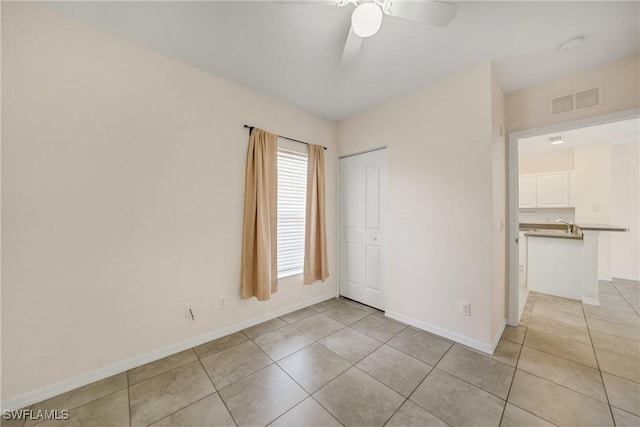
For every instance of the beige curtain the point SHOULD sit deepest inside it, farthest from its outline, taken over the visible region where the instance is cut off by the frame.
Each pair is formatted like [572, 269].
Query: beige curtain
[316, 265]
[259, 274]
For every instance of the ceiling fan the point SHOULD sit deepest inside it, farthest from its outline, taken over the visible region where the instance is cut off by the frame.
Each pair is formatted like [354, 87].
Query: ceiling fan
[367, 17]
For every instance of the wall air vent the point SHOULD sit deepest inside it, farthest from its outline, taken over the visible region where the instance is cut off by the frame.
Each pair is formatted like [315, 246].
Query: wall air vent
[588, 98]
[579, 100]
[562, 104]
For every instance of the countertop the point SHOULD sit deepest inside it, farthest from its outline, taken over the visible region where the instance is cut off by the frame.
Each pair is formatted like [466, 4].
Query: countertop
[555, 234]
[524, 226]
[559, 231]
[601, 227]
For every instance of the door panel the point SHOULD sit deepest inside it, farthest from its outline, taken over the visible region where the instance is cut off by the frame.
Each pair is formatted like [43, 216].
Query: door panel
[362, 232]
[354, 204]
[353, 262]
[372, 197]
[372, 262]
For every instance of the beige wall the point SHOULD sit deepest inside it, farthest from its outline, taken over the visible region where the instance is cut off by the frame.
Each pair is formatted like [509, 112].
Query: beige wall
[441, 217]
[529, 108]
[122, 174]
[593, 187]
[500, 306]
[546, 162]
[0, 231]
[625, 210]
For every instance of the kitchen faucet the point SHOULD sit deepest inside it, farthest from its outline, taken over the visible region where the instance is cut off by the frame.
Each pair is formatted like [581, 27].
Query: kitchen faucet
[569, 224]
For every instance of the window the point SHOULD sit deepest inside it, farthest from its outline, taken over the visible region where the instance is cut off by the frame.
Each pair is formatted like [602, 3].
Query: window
[292, 194]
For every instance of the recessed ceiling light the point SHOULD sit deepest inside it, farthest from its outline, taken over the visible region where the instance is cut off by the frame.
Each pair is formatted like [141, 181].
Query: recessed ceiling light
[572, 44]
[555, 140]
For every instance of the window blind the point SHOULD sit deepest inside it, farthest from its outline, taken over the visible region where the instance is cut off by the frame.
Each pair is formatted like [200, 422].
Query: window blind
[292, 193]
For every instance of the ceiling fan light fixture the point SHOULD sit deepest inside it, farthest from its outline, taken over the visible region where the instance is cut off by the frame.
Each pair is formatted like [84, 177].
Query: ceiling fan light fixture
[366, 19]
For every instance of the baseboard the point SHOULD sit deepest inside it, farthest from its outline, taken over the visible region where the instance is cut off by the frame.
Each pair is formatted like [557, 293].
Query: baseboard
[590, 301]
[64, 386]
[626, 277]
[604, 278]
[496, 338]
[454, 336]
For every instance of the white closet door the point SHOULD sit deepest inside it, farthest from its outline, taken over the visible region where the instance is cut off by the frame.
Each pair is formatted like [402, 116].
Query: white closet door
[363, 193]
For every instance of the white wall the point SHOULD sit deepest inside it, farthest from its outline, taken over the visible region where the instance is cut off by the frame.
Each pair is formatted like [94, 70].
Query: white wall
[123, 180]
[593, 197]
[625, 212]
[441, 213]
[556, 161]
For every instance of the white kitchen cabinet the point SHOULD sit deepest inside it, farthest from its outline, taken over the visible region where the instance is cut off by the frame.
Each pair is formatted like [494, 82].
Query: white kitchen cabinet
[545, 190]
[527, 191]
[552, 190]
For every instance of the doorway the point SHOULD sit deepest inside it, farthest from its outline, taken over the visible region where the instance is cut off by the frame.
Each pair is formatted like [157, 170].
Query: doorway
[363, 218]
[514, 197]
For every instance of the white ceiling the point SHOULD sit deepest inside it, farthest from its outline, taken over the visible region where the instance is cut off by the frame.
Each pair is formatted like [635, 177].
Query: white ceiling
[619, 132]
[292, 51]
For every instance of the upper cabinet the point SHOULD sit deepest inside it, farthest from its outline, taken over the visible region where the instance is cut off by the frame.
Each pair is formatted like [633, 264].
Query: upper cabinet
[545, 190]
[527, 191]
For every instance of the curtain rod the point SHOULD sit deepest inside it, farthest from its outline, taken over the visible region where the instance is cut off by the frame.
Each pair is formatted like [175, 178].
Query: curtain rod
[285, 137]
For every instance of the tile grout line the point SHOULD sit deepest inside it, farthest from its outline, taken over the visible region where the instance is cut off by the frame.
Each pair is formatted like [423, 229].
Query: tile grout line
[560, 357]
[164, 372]
[309, 395]
[352, 365]
[593, 347]
[129, 398]
[624, 297]
[216, 391]
[515, 368]
[75, 389]
[562, 385]
[184, 407]
[420, 383]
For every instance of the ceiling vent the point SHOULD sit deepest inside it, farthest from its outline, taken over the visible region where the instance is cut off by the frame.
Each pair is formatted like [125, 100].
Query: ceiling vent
[586, 98]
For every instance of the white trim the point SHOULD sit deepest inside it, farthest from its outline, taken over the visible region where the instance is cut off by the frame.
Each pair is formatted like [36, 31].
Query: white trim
[357, 153]
[625, 277]
[496, 338]
[488, 348]
[512, 189]
[60, 387]
[604, 278]
[590, 301]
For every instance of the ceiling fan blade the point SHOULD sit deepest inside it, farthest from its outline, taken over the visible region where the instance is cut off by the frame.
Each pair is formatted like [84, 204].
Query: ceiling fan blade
[351, 48]
[428, 12]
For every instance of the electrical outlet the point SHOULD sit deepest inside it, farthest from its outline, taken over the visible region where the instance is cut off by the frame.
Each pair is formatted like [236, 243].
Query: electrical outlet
[465, 308]
[189, 312]
[222, 302]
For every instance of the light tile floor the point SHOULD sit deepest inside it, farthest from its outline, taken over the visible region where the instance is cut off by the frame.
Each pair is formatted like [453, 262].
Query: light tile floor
[341, 363]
